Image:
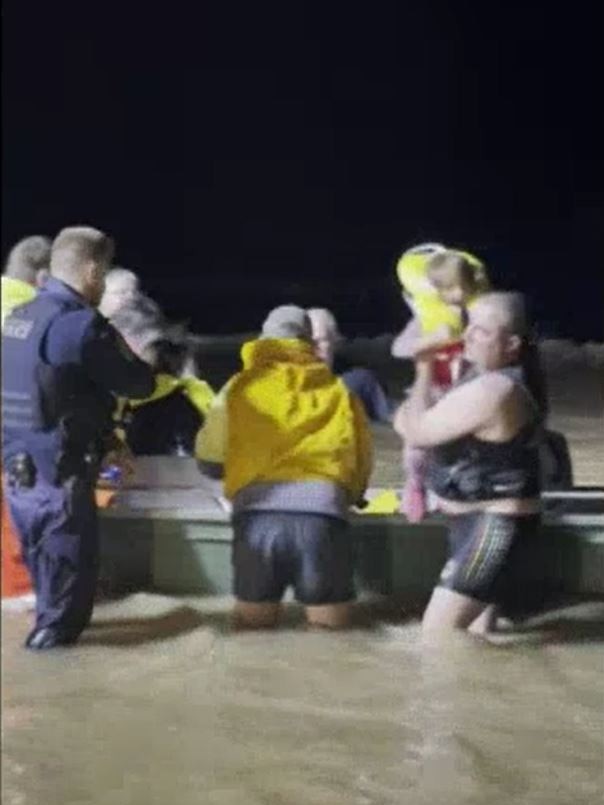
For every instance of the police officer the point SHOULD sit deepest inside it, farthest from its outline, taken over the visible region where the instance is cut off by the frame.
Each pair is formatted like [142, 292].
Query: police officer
[62, 365]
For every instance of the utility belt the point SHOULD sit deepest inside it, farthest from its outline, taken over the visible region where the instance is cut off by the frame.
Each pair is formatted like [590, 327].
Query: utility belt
[22, 471]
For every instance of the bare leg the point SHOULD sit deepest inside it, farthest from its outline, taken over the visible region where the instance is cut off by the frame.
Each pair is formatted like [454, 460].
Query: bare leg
[251, 615]
[485, 623]
[330, 616]
[449, 611]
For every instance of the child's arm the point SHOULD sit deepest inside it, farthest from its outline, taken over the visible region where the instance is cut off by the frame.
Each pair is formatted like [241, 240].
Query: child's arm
[411, 343]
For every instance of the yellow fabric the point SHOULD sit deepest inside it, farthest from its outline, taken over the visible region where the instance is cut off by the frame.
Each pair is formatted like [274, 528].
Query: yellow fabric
[386, 502]
[286, 417]
[423, 298]
[211, 441]
[198, 392]
[14, 293]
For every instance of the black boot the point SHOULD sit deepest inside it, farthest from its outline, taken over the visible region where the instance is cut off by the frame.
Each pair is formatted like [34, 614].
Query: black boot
[45, 638]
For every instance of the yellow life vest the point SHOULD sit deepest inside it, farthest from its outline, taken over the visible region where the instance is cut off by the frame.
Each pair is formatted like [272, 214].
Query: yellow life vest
[290, 419]
[431, 311]
[199, 393]
[14, 293]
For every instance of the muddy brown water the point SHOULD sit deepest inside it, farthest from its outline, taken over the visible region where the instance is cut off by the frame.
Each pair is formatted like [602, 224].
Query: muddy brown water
[162, 703]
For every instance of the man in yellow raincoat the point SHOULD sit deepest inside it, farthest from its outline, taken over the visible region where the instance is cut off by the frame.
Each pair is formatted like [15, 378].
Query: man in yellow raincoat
[296, 451]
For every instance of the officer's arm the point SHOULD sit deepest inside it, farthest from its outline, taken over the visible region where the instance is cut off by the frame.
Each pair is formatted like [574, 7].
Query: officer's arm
[110, 362]
[84, 337]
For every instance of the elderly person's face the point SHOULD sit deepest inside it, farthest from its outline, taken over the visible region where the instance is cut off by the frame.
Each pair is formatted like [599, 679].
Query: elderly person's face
[323, 337]
[488, 342]
[118, 293]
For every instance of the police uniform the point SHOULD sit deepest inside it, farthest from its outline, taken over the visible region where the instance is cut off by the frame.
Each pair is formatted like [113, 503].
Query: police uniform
[62, 365]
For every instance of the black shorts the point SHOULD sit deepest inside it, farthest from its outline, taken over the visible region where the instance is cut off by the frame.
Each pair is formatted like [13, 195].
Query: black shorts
[493, 558]
[311, 552]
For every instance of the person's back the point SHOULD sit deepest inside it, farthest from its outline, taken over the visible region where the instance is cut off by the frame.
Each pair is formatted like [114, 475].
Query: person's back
[297, 456]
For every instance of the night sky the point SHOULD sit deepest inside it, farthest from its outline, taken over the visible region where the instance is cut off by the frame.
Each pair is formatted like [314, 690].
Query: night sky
[244, 158]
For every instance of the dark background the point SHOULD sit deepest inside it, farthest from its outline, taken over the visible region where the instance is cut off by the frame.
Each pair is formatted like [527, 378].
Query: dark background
[243, 158]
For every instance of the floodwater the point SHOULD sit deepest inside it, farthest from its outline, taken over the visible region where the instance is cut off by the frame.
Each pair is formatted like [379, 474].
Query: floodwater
[162, 703]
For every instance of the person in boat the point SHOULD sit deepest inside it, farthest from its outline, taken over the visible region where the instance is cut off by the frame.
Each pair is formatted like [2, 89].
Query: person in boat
[439, 285]
[358, 379]
[166, 422]
[482, 440]
[122, 286]
[295, 448]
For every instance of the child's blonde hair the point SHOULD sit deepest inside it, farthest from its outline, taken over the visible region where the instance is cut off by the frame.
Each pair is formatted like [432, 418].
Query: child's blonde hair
[469, 270]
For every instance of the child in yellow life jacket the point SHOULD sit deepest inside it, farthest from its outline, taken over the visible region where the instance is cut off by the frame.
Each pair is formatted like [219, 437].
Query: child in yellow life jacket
[439, 285]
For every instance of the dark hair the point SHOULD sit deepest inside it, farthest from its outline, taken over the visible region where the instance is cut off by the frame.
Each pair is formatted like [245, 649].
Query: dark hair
[170, 357]
[534, 374]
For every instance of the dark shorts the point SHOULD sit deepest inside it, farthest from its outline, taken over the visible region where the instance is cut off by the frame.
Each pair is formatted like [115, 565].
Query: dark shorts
[493, 558]
[311, 552]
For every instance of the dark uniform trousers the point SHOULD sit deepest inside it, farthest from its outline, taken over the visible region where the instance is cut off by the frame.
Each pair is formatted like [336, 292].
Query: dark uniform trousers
[58, 529]
[62, 365]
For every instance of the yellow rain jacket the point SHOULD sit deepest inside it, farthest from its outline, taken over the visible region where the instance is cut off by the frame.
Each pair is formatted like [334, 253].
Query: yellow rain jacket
[14, 293]
[286, 417]
[423, 298]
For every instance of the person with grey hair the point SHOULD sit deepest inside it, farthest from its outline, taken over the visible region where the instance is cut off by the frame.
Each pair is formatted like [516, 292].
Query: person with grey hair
[63, 365]
[483, 439]
[295, 449]
[26, 270]
[121, 286]
[358, 379]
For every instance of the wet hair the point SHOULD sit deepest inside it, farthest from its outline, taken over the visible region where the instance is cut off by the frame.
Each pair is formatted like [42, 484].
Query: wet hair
[77, 245]
[28, 257]
[516, 319]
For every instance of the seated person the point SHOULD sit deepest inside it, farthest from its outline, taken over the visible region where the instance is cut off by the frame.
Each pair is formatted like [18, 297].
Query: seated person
[121, 287]
[359, 380]
[167, 422]
[296, 451]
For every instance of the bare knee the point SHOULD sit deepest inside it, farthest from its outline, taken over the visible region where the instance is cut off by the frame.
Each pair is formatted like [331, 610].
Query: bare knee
[253, 615]
[330, 616]
[449, 611]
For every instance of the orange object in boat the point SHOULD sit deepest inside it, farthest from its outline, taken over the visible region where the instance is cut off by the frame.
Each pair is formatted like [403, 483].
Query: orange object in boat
[15, 576]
